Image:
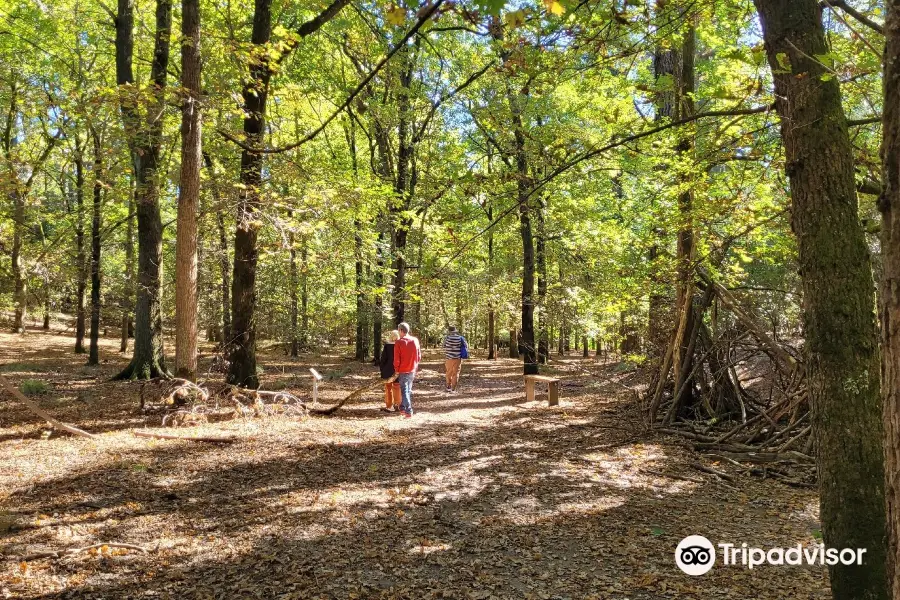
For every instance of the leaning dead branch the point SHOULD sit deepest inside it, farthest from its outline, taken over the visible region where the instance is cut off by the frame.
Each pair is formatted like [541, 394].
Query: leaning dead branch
[352, 396]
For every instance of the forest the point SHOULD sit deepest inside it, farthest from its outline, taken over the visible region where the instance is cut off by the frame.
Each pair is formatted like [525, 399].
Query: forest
[219, 219]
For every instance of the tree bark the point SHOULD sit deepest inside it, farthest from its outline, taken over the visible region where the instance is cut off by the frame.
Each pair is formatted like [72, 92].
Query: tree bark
[145, 139]
[80, 259]
[94, 354]
[666, 65]
[685, 242]
[188, 194]
[224, 263]
[541, 260]
[304, 293]
[889, 203]
[242, 352]
[293, 282]
[400, 203]
[128, 292]
[838, 293]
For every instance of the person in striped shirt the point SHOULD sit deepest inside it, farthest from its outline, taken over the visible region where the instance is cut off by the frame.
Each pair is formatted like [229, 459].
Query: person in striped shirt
[453, 344]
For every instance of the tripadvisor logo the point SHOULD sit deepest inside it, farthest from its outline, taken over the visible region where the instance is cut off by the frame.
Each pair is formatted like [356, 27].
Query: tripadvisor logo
[696, 555]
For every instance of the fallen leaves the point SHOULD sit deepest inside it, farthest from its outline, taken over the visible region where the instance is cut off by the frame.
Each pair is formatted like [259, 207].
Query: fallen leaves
[478, 497]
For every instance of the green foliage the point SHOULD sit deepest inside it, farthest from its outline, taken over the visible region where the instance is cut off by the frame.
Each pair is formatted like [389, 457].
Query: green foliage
[33, 387]
[584, 78]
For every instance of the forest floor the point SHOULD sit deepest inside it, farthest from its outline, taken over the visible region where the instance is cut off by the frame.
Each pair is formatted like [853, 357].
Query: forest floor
[480, 496]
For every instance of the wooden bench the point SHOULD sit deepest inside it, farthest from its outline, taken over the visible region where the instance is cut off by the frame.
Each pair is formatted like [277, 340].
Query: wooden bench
[552, 385]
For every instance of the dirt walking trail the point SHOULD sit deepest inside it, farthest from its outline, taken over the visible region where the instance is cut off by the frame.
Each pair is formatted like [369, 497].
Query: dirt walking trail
[480, 496]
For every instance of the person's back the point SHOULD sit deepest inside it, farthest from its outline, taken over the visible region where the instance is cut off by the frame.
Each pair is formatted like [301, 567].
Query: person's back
[406, 354]
[387, 360]
[452, 345]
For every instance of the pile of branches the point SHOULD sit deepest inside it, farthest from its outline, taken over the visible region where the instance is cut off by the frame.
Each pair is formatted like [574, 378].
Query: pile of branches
[184, 403]
[698, 392]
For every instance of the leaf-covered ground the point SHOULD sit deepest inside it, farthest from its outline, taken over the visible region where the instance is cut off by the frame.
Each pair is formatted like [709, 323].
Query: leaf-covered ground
[480, 495]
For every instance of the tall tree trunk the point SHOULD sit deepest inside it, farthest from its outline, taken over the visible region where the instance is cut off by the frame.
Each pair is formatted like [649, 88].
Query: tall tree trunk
[541, 259]
[889, 202]
[666, 64]
[523, 189]
[20, 285]
[145, 139]
[80, 259]
[128, 292]
[361, 350]
[685, 243]
[94, 354]
[492, 317]
[378, 304]
[361, 346]
[242, 352]
[838, 294]
[293, 283]
[514, 343]
[188, 194]
[224, 263]
[304, 293]
[400, 203]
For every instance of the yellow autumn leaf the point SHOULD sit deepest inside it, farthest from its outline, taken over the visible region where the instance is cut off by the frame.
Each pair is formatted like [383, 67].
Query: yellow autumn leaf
[396, 16]
[23, 567]
[515, 19]
[554, 7]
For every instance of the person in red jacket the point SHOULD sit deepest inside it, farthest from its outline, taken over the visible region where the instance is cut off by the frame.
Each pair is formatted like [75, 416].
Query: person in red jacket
[407, 354]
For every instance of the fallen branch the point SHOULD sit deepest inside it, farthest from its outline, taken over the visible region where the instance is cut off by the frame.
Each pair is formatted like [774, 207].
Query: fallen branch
[68, 551]
[41, 412]
[352, 396]
[711, 471]
[197, 438]
[673, 476]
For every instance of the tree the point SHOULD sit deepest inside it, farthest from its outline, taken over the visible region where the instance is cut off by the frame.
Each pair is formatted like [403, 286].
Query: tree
[889, 203]
[144, 135]
[839, 316]
[94, 353]
[188, 194]
[242, 351]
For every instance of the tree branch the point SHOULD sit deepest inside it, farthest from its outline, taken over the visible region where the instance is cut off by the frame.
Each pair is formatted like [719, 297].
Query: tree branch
[842, 4]
[425, 15]
[437, 103]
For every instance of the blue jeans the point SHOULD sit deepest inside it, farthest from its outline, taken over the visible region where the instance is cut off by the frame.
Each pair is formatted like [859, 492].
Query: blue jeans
[406, 380]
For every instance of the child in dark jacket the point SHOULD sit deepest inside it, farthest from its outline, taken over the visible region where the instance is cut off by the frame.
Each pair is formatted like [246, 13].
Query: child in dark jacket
[391, 389]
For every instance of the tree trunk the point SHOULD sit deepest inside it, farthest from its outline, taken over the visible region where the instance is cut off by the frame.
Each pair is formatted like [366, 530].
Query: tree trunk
[148, 360]
[400, 203]
[361, 346]
[841, 345]
[378, 303]
[242, 352]
[685, 242]
[128, 292]
[188, 195]
[293, 283]
[513, 343]
[889, 202]
[541, 259]
[224, 263]
[304, 294]
[666, 64]
[94, 354]
[80, 259]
